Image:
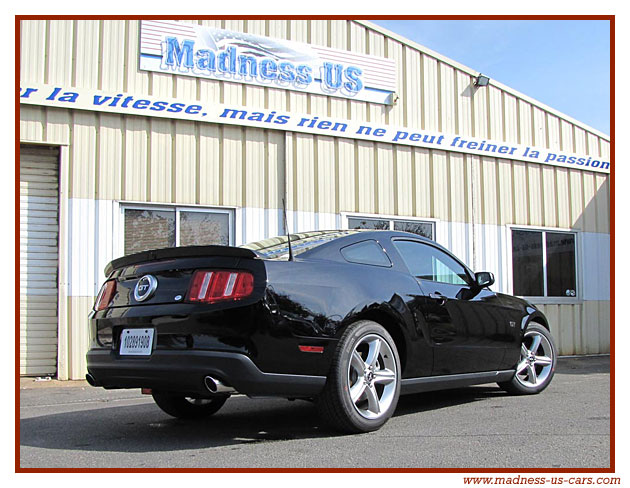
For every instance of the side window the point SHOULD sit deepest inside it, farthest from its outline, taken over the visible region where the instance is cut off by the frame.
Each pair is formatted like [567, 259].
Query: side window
[429, 263]
[366, 252]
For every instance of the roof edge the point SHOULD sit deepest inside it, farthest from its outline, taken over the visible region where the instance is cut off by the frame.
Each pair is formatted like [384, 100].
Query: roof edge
[386, 32]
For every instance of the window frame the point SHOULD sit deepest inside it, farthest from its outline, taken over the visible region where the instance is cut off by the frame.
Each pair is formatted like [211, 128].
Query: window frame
[122, 206]
[545, 299]
[345, 216]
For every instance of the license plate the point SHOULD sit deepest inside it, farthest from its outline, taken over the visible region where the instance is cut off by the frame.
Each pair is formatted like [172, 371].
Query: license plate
[136, 342]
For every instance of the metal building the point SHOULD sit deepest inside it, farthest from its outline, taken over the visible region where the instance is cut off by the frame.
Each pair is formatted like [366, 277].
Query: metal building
[142, 134]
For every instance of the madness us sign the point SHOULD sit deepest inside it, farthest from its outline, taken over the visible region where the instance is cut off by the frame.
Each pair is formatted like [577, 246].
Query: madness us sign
[194, 50]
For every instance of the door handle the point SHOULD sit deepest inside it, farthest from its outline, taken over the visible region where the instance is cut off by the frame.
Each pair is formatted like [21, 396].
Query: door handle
[438, 296]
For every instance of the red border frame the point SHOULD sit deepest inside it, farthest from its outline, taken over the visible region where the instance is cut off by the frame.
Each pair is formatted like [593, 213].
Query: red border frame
[611, 469]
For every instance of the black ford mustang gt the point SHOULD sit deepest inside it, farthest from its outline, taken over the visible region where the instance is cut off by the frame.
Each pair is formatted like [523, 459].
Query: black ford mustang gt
[350, 319]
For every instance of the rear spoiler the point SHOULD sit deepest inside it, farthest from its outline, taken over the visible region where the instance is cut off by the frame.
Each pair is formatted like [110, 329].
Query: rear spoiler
[179, 252]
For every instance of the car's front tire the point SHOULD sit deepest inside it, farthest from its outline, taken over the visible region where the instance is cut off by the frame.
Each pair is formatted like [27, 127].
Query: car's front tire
[184, 407]
[363, 385]
[536, 365]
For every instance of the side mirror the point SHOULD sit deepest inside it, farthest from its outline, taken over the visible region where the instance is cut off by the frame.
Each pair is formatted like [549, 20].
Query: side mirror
[484, 278]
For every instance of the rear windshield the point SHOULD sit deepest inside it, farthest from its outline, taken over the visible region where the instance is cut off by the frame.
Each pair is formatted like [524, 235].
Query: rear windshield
[277, 247]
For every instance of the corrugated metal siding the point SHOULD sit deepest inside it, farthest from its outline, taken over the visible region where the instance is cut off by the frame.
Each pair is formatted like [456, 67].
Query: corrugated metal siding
[434, 95]
[578, 329]
[129, 158]
[132, 158]
[445, 186]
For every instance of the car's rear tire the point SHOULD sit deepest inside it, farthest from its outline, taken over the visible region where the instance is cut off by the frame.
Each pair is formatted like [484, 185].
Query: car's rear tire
[184, 407]
[536, 365]
[363, 385]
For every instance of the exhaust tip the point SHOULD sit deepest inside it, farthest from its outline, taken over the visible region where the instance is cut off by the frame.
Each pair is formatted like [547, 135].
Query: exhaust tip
[90, 379]
[211, 384]
[216, 386]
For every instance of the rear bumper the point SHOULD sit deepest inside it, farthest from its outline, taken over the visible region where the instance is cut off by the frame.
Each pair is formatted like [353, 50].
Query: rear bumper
[184, 372]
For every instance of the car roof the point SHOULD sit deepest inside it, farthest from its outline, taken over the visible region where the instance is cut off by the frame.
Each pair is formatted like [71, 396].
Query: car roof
[325, 244]
[358, 235]
[330, 250]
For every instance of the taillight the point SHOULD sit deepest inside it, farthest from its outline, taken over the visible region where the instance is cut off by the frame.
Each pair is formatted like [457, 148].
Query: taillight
[214, 286]
[106, 295]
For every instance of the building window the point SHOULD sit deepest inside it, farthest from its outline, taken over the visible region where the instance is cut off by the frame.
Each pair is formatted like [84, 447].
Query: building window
[543, 263]
[422, 228]
[157, 227]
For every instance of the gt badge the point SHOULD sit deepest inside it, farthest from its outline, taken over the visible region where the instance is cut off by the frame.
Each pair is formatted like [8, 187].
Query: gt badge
[145, 288]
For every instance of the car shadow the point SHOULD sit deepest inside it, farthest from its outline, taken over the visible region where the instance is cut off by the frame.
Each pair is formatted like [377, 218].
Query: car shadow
[435, 400]
[145, 428]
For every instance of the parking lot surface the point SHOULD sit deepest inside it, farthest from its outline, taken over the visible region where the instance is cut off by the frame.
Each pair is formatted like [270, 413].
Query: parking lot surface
[72, 425]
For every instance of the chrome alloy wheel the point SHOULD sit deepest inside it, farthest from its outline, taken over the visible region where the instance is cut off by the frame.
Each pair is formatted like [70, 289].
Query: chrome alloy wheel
[536, 361]
[372, 376]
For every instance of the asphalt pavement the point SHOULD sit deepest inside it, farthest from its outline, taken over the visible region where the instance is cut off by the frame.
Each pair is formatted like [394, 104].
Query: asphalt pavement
[73, 425]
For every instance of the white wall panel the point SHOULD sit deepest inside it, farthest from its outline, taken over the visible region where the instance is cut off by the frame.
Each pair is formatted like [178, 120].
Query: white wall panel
[307, 221]
[491, 243]
[596, 266]
[254, 225]
[456, 237]
[82, 247]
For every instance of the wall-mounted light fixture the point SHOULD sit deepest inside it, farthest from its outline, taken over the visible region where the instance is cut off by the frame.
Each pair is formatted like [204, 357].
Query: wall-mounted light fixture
[393, 98]
[482, 80]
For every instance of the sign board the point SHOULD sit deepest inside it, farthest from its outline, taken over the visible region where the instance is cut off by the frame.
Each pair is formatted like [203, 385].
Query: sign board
[204, 111]
[194, 50]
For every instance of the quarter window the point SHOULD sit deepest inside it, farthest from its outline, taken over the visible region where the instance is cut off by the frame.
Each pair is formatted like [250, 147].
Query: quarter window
[543, 263]
[366, 252]
[424, 229]
[429, 263]
[154, 228]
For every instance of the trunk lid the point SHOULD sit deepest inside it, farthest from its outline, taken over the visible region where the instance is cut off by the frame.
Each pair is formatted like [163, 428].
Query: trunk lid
[164, 276]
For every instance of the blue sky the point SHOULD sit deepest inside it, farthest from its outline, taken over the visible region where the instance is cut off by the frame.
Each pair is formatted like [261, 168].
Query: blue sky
[563, 63]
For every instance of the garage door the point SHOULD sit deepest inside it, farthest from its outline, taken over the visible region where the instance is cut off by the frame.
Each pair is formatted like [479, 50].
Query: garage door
[39, 236]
